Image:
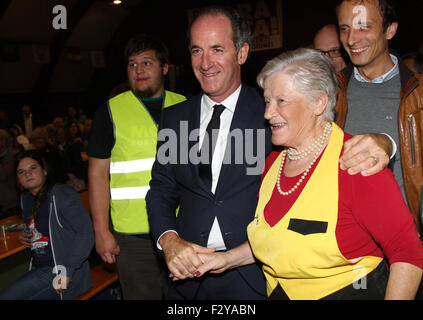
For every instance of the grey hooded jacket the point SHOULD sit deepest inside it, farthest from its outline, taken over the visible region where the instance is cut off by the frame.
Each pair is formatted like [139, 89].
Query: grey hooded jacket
[71, 236]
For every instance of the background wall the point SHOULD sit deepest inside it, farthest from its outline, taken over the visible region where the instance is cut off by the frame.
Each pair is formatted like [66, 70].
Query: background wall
[50, 69]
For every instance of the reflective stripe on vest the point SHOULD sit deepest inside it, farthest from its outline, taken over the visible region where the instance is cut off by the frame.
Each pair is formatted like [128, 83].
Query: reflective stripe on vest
[131, 160]
[131, 166]
[128, 193]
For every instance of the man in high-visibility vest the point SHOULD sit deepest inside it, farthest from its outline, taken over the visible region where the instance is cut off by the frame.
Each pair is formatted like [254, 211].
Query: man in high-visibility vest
[121, 151]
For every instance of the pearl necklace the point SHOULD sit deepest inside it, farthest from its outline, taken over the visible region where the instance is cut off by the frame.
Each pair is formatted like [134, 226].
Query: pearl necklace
[319, 147]
[314, 147]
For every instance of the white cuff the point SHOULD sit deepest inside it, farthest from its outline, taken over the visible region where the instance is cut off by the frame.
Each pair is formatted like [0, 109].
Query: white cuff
[158, 245]
[394, 145]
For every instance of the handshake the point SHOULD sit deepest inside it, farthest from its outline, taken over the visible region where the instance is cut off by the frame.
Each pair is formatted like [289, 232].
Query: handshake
[189, 260]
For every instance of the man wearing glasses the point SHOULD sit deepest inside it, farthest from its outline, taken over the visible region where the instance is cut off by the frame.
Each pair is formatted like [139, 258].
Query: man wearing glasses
[326, 41]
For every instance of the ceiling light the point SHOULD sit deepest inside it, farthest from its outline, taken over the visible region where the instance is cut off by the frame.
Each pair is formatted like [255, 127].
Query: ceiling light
[117, 1]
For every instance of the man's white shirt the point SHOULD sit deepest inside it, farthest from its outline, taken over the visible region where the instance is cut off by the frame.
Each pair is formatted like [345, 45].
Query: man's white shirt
[215, 239]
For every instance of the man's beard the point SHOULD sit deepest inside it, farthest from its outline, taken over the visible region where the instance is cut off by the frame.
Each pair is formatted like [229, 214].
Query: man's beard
[146, 94]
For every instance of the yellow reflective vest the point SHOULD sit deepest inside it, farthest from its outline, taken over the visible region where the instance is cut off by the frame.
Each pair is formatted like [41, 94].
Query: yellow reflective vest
[131, 160]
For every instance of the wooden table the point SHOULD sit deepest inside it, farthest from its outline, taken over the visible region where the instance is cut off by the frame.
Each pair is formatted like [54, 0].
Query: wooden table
[11, 244]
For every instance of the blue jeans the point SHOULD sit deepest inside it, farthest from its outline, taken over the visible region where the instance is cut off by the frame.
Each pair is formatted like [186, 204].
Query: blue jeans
[37, 284]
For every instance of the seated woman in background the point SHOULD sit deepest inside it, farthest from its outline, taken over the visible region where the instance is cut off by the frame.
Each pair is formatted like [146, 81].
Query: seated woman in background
[59, 233]
[320, 232]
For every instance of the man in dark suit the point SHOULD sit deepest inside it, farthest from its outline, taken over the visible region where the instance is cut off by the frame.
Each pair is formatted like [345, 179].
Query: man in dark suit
[217, 197]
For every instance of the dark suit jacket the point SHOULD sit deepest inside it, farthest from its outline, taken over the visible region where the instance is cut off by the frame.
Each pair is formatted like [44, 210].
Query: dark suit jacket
[235, 199]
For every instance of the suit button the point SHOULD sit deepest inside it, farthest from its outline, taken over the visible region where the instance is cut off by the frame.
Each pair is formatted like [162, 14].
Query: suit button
[218, 202]
[203, 234]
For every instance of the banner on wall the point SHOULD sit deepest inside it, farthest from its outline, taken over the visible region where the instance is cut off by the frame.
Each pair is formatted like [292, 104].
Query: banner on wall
[41, 53]
[264, 18]
[74, 55]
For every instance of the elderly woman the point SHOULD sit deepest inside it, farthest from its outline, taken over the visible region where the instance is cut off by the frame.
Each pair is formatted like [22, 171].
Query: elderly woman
[320, 232]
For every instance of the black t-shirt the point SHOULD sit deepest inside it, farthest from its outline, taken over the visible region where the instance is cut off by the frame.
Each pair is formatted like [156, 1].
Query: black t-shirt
[41, 244]
[102, 138]
[154, 106]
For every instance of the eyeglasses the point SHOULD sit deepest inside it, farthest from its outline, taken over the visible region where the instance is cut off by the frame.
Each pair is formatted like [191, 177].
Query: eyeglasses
[333, 53]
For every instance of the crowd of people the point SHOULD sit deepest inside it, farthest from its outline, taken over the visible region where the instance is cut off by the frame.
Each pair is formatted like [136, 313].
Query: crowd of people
[330, 209]
[62, 142]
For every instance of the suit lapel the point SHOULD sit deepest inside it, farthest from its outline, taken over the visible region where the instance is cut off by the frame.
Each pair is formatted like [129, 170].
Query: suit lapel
[194, 121]
[193, 146]
[240, 120]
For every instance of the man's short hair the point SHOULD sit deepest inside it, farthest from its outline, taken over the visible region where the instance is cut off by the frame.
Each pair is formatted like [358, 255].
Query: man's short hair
[143, 42]
[241, 32]
[386, 9]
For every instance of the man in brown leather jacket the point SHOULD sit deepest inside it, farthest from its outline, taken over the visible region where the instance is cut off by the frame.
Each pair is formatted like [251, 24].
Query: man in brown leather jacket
[365, 29]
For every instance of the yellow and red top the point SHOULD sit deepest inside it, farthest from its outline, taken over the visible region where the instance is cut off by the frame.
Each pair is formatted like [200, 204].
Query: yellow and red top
[328, 233]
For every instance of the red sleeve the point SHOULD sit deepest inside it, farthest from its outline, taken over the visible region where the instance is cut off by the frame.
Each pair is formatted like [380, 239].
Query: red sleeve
[379, 207]
[371, 209]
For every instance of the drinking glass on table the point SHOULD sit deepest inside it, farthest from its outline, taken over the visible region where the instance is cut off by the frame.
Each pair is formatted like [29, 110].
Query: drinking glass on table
[25, 237]
[3, 234]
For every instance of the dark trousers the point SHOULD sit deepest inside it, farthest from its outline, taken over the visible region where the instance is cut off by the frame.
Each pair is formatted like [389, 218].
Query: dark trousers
[229, 285]
[142, 274]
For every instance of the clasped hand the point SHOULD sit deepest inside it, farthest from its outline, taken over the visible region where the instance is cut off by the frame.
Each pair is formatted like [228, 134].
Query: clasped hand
[188, 260]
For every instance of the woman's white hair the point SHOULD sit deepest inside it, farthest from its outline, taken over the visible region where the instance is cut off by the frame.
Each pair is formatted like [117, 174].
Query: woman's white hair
[312, 74]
